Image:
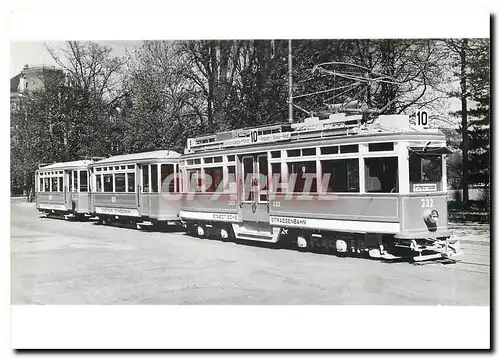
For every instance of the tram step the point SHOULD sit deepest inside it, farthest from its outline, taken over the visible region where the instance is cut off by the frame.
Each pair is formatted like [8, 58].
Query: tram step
[253, 235]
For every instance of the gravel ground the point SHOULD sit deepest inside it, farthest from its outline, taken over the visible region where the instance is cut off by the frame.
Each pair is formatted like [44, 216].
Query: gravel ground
[64, 262]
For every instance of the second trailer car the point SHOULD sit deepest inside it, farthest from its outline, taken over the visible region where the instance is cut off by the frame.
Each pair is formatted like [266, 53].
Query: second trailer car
[137, 188]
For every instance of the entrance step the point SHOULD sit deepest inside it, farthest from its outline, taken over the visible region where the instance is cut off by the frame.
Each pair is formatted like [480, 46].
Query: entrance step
[256, 232]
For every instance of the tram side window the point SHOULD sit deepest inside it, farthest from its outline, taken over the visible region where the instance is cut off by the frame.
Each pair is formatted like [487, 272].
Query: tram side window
[41, 188]
[70, 178]
[98, 182]
[213, 177]
[61, 186]
[108, 183]
[381, 175]
[131, 182]
[154, 178]
[263, 172]
[341, 175]
[83, 181]
[248, 175]
[54, 184]
[276, 177]
[195, 180]
[166, 179]
[46, 181]
[75, 176]
[231, 181]
[119, 182]
[145, 178]
[302, 176]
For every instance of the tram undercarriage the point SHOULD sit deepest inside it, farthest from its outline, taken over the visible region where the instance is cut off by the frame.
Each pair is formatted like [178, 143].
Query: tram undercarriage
[370, 245]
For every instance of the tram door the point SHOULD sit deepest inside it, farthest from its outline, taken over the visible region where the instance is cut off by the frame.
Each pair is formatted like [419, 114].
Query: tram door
[143, 189]
[67, 190]
[254, 194]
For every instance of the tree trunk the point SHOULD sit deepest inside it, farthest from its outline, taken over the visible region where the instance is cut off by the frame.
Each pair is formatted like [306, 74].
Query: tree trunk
[465, 145]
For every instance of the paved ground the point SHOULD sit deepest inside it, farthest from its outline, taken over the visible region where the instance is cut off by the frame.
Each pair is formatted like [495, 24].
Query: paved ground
[63, 262]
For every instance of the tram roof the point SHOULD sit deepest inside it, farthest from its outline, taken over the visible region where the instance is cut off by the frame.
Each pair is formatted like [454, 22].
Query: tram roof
[142, 156]
[338, 126]
[64, 165]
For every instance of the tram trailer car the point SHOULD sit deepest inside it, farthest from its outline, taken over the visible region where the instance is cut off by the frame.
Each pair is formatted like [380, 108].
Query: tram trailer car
[136, 188]
[341, 184]
[62, 189]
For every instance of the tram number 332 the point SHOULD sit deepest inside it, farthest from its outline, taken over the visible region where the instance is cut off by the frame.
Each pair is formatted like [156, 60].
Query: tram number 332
[427, 202]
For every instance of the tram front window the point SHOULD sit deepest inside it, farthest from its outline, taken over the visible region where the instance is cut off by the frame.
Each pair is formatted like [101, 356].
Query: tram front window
[381, 175]
[426, 169]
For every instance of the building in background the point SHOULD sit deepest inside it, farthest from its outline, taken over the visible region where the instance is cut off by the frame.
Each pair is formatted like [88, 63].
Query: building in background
[33, 78]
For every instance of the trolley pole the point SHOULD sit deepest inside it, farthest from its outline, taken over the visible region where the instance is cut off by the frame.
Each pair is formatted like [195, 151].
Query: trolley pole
[290, 91]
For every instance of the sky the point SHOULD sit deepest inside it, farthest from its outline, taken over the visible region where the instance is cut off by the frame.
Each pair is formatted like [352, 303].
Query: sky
[35, 53]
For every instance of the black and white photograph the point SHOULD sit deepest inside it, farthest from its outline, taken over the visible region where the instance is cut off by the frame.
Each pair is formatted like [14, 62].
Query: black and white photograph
[329, 172]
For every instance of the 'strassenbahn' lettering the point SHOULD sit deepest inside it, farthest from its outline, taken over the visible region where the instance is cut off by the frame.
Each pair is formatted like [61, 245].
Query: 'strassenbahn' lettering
[288, 220]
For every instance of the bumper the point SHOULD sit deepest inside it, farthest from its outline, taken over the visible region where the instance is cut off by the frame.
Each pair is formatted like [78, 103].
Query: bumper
[433, 248]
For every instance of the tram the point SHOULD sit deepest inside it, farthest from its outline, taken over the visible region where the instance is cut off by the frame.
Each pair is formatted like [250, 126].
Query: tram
[62, 189]
[136, 188]
[341, 183]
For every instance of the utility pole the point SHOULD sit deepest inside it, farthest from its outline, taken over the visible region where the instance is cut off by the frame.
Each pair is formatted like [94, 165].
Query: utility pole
[465, 135]
[290, 91]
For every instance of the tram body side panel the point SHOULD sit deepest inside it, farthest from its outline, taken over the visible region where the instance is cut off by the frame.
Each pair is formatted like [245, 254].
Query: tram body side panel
[118, 204]
[418, 219]
[336, 212]
[162, 206]
[209, 207]
[52, 201]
